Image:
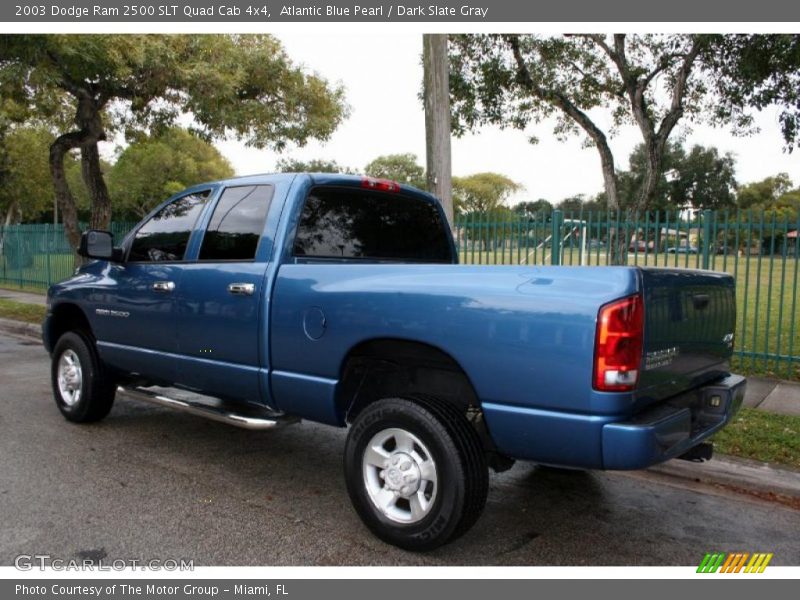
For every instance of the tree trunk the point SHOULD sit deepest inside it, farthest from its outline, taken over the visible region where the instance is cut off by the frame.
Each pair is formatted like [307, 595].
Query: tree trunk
[69, 212]
[617, 245]
[653, 166]
[437, 120]
[89, 122]
[98, 191]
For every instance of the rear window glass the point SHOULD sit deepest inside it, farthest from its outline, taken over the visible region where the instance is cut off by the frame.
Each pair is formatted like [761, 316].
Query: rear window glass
[363, 224]
[237, 222]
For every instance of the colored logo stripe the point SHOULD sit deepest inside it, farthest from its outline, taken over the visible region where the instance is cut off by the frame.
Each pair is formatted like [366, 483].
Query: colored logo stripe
[734, 562]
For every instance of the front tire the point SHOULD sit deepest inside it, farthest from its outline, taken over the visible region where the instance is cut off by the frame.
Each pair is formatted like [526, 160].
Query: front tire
[83, 390]
[415, 471]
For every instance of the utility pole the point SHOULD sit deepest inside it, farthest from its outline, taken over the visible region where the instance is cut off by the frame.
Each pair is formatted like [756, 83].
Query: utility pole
[437, 120]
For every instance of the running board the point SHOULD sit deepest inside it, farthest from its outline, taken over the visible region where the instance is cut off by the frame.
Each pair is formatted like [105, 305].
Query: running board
[218, 413]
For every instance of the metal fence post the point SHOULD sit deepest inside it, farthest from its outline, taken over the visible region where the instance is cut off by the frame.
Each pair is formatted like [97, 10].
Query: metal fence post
[555, 238]
[20, 259]
[48, 251]
[707, 216]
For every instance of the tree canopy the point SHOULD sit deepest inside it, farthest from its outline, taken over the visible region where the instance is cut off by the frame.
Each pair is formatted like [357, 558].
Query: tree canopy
[699, 178]
[402, 168]
[775, 195]
[242, 86]
[482, 192]
[26, 189]
[752, 71]
[153, 168]
[315, 165]
[652, 81]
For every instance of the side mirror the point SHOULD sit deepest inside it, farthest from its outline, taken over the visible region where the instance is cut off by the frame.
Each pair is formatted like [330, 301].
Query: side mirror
[98, 244]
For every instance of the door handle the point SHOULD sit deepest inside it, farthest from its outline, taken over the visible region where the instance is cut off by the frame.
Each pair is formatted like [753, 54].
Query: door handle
[164, 286]
[242, 289]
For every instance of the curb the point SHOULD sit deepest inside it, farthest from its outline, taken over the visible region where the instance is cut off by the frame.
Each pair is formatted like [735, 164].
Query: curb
[21, 328]
[738, 474]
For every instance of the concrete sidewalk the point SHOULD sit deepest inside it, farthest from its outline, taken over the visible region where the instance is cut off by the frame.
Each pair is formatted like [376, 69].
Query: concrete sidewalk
[771, 395]
[26, 297]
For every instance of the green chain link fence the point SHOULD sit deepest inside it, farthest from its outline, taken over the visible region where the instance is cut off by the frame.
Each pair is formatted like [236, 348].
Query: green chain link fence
[761, 250]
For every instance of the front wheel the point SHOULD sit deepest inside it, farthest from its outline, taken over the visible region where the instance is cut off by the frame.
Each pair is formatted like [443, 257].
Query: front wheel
[83, 390]
[415, 472]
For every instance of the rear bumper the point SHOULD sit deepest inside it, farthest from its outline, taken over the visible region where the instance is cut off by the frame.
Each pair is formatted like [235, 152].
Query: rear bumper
[601, 442]
[674, 427]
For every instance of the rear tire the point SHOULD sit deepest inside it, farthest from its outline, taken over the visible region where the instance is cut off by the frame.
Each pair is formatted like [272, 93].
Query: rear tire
[415, 471]
[82, 387]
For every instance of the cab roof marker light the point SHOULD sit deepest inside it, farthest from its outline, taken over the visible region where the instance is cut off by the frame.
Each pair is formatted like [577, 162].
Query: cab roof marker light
[382, 185]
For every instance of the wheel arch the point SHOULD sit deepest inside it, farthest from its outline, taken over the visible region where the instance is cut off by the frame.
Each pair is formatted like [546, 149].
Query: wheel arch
[378, 367]
[66, 316]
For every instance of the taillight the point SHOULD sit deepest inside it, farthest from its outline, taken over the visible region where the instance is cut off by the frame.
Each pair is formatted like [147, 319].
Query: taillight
[618, 345]
[382, 185]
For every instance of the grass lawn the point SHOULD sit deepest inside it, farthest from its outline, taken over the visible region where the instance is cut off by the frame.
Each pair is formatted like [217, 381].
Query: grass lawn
[763, 436]
[21, 311]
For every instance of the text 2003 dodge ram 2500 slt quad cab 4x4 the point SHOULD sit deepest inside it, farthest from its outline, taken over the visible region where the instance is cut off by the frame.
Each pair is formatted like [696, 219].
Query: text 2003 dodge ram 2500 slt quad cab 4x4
[338, 299]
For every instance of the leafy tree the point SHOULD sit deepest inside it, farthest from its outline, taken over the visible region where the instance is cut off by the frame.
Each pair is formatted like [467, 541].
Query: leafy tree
[765, 201]
[402, 168]
[315, 165]
[153, 168]
[756, 71]
[572, 204]
[233, 85]
[700, 178]
[482, 192]
[705, 179]
[534, 207]
[765, 192]
[652, 81]
[27, 191]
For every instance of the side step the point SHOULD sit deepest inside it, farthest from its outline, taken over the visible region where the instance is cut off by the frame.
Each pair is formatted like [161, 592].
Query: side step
[214, 410]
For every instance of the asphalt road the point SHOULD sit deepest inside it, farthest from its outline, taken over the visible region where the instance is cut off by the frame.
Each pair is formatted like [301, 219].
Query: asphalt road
[151, 483]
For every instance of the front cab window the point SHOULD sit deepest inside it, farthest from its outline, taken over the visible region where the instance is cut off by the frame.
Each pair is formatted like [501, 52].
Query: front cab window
[165, 236]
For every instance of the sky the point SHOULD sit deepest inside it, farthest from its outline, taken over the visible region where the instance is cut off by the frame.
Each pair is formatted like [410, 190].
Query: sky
[382, 76]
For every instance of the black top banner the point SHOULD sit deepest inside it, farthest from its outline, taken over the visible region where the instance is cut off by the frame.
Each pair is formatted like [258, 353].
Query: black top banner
[443, 11]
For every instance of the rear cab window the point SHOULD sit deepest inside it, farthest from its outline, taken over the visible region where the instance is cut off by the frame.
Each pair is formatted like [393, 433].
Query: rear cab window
[358, 224]
[235, 228]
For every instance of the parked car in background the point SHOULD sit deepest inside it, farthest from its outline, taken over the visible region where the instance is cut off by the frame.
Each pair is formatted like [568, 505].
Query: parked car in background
[596, 244]
[683, 250]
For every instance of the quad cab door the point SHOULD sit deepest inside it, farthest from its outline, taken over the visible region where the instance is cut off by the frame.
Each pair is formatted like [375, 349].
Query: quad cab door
[135, 313]
[220, 316]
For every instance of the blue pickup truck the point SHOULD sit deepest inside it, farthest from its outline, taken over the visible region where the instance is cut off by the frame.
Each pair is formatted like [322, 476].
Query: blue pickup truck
[263, 300]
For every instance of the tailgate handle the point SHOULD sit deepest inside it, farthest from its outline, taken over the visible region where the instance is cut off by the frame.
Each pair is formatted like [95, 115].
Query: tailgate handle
[700, 301]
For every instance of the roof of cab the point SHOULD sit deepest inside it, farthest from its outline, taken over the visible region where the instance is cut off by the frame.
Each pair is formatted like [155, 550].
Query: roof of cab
[317, 178]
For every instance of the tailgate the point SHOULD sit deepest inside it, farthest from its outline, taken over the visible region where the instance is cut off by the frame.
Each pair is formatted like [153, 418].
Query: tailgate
[690, 319]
